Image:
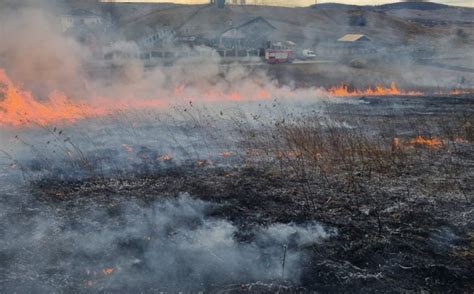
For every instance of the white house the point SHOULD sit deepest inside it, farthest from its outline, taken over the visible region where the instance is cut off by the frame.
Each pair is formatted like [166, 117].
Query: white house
[79, 17]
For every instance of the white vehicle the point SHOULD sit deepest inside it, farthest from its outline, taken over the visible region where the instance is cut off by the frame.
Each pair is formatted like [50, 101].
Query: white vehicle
[307, 54]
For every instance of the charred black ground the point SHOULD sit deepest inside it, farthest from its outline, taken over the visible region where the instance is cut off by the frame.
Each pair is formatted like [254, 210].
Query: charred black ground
[402, 208]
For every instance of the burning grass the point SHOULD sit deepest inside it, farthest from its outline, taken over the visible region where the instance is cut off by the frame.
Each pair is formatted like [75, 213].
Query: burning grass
[379, 90]
[432, 142]
[19, 107]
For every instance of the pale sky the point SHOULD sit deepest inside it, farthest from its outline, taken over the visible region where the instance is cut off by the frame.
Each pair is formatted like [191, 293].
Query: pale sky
[304, 2]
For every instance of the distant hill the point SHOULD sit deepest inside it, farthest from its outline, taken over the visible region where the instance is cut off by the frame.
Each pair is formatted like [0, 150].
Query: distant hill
[418, 5]
[428, 14]
[304, 26]
[413, 5]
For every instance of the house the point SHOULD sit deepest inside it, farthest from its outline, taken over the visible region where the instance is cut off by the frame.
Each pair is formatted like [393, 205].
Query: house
[79, 18]
[252, 32]
[159, 37]
[200, 25]
[354, 38]
[354, 44]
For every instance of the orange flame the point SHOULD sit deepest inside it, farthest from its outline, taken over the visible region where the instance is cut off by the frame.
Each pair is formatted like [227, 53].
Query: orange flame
[108, 271]
[379, 90]
[19, 107]
[165, 157]
[418, 141]
[459, 92]
[432, 142]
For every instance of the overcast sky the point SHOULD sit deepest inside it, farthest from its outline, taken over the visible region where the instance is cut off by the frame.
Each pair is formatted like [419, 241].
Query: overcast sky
[309, 2]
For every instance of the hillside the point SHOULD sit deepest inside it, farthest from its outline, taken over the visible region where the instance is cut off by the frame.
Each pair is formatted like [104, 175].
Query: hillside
[389, 6]
[422, 5]
[424, 12]
[306, 26]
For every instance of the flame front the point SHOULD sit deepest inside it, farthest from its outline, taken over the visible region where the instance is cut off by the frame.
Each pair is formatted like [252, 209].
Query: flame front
[108, 271]
[430, 142]
[420, 141]
[379, 90]
[18, 107]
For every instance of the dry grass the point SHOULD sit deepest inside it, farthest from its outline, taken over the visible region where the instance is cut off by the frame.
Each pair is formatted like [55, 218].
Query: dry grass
[330, 157]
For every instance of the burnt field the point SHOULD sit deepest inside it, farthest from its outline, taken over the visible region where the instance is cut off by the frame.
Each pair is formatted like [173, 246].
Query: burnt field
[361, 194]
[147, 149]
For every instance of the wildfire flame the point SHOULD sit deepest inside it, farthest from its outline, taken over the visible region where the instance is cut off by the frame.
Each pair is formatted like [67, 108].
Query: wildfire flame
[19, 107]
[458, 92]
[165, 157]
[418, 141]
[108, 271]
[379, 90]
[431, 142]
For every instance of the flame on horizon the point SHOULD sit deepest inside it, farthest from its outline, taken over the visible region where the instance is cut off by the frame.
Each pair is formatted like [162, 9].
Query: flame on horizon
[379, 90]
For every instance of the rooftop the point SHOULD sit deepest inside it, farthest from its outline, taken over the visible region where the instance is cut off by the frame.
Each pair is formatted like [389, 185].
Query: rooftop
[353, 38]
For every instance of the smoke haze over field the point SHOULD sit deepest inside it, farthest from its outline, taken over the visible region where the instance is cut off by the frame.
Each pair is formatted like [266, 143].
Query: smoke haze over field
[43, 60]
[171, 245]
[39, 49]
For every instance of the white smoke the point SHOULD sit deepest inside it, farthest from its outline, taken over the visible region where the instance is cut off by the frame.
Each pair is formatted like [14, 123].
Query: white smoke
[172, 244]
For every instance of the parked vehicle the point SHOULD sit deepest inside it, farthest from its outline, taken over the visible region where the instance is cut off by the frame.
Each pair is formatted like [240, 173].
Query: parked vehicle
[306, 54]
[273, 56]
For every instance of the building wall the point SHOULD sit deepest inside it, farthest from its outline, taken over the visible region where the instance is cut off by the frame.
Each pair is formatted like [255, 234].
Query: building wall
[253, 35]
[69, 21]
[159, 37]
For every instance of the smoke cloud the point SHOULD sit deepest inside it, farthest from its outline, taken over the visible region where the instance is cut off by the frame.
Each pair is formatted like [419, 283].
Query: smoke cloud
[169, 246]
[35, 54]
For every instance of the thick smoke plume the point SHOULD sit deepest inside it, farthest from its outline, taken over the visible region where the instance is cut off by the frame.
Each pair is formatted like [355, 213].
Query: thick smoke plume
[35, 54]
